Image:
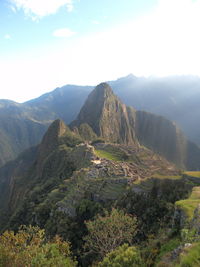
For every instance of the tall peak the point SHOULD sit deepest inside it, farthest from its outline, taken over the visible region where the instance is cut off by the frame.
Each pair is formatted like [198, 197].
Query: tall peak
[107, 116]
[103, 89]
[100, 94]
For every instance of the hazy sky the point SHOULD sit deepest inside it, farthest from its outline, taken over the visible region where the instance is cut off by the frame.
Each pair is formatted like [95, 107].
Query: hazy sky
[45, 44]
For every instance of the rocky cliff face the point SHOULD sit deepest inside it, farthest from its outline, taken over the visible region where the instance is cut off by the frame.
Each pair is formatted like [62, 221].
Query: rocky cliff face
[108, 116]
[112, 120]
[162, 136]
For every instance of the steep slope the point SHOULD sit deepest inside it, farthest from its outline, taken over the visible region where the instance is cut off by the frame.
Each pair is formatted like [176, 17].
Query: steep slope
[162, 136]
[111, 120]
[23, 125]
[38, 165]
[17, 134]
[63, 170]
[108, 116]
[64, 103]
[12, 183]
[175, 98]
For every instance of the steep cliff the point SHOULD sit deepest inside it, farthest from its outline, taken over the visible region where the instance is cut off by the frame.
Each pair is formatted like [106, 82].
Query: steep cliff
[162, 136]
[111, 120]
[108, 116]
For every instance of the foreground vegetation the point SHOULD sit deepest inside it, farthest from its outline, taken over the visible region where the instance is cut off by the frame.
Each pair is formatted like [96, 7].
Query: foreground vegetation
[137, 230]
[29, 247]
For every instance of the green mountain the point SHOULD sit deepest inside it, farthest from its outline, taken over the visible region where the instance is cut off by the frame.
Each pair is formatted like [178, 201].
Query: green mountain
[63, 170]
[103, 160]
[18, 131]
[176, 98]
[113, 121]
[23, 125]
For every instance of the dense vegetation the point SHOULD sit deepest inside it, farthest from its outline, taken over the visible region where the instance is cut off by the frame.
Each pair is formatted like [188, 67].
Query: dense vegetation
[138, 231]
[29, 247]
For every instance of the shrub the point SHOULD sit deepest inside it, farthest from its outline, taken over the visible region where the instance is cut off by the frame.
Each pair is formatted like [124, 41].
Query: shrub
[123, 256]
[108, 232]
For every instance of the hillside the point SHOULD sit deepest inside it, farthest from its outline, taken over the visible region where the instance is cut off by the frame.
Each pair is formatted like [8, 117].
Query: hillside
[163, 96]
[65, 181]
[65, 167]
[100, 164]
[113, 121]
[23, 125]
[63, 155]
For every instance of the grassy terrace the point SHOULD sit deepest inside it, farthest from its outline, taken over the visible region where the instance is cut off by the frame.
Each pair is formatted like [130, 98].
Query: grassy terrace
[193, 174]
[112, 153]
[107, 155]
[190, 204]
[162, 176]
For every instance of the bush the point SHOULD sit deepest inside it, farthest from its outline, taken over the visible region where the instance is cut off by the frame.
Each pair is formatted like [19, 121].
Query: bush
[108, 232]
[28, 247]
[123, 256]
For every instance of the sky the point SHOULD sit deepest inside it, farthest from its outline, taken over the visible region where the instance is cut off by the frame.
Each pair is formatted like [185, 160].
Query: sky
[46, 44]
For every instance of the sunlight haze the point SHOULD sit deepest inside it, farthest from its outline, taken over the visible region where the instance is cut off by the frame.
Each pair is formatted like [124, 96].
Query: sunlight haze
[47, 44]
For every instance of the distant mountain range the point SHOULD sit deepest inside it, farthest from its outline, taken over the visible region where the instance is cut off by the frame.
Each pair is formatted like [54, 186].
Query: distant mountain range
[23, 125]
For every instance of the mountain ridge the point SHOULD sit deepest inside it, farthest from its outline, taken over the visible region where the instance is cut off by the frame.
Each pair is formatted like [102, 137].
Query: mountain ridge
[162, 96]
[113, 121]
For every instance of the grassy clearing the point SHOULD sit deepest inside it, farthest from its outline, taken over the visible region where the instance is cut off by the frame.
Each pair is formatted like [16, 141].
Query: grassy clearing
[167, 247]
[193, 174]
[162, 176]
[115, 153]
[190, 204]
[108, 155]
[147, 182]
[190, 257]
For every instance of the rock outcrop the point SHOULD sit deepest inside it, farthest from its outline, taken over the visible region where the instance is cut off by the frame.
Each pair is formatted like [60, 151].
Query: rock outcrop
[108, 116]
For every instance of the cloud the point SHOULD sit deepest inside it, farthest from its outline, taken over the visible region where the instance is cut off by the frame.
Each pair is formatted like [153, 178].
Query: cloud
[37, 9]
[7, 37]
[64, 32]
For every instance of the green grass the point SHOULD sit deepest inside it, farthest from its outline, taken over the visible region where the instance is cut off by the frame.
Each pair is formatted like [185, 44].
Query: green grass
[193, 174]
[147, 182]
[168, 247]
[190, 257]
[115, 153]
[190, 204]
[107, 155]
[162, 176]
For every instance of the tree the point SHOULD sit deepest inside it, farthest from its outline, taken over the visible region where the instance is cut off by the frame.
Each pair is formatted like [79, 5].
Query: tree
[123, 256]
[108, 232]
[29, 247]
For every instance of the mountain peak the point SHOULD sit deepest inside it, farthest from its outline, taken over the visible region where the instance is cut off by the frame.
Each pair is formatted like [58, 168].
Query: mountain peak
[57, 127]
[103, 89]
[107, 116]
